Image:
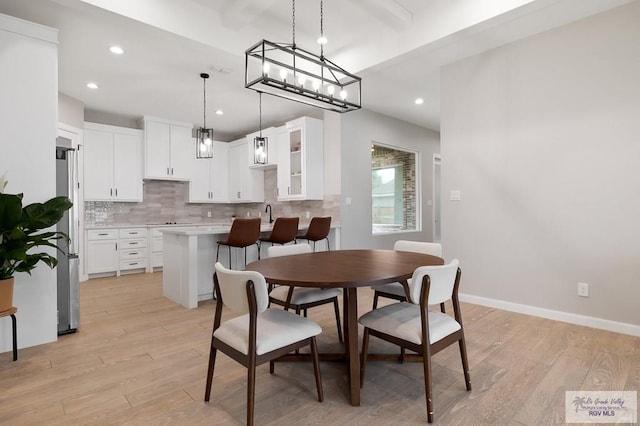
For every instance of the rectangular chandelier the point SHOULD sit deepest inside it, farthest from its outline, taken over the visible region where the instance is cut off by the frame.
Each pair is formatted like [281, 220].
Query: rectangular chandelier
[289, 72]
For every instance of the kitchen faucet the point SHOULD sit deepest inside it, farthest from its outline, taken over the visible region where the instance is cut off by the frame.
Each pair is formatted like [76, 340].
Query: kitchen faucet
[268, 208]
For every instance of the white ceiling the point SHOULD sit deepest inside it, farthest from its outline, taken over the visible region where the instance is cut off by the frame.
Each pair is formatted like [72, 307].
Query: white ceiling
[396, 46]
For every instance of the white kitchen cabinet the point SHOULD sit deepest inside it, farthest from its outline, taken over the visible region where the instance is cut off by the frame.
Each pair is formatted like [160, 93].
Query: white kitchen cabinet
[102, 251]
[168, 149]
[133, 243]
[300, 174]
[210, 176]
[112, 163]
[156, 249]
[246, 185]
[113, 250]
[271, 134]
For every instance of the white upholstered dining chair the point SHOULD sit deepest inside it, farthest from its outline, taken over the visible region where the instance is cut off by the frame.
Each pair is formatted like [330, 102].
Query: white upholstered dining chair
[398, 291]
[260, 334]
[302, 298]
[412, 325]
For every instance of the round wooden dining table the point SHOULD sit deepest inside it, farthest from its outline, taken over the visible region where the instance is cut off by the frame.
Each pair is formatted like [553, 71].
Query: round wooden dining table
[346, 269]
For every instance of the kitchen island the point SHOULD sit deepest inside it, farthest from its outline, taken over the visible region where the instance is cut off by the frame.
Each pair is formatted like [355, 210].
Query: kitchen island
[190, 253]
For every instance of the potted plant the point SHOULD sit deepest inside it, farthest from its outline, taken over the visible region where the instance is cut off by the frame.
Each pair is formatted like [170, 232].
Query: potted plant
[21, 233]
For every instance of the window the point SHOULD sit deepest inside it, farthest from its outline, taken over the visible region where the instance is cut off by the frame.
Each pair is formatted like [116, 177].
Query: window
[394, 189]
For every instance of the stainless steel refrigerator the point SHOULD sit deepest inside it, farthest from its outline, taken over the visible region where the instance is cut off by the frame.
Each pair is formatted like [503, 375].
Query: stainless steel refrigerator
[68, 262]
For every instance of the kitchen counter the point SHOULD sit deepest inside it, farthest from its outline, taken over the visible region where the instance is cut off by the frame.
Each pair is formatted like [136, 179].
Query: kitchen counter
[189, 256]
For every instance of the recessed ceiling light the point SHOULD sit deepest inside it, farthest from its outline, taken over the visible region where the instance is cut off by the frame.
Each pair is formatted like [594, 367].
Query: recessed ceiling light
[116, 50]
[219, 112]
[92, 85]
[419, 101]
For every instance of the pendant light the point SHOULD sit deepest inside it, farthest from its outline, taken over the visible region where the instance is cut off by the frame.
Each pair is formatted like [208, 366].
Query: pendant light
[260, 144]
[204, 136]
[288, 71]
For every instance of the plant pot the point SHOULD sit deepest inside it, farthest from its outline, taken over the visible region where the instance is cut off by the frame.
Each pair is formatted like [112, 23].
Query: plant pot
[6, 294]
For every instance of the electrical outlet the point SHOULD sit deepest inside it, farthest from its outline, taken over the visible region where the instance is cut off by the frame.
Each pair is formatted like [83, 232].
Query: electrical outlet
[209, 213]
[307, 214]
[583, 289]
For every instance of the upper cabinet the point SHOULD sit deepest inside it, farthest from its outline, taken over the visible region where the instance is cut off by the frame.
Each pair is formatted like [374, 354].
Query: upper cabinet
[168, 149]
[300, 160]
[210, 176]
[246, 185]
[271, 134]
[112, 163]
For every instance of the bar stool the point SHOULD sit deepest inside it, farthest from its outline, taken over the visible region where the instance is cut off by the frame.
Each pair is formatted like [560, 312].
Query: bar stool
[284, 231]
[243, 233]
[12, 312]
[318, 230]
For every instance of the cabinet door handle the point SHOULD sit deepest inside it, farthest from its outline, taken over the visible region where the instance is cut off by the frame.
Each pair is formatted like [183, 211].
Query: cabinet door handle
[103, 234]
[172, 171]
[116, 246]
[133, 243]
[133, 253]
[116, 192]
[110, 191]
[168, 171]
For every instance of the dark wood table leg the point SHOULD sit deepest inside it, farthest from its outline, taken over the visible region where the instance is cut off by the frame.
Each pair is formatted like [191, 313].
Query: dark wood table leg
[351, 341]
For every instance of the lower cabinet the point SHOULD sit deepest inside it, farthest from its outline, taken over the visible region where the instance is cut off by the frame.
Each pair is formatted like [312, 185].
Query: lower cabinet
[102, 251]
[156, 249]
[133, 249]
[113, 250]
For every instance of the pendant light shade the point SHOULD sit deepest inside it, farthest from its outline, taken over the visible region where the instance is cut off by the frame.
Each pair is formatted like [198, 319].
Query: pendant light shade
[260, 144]
[204, 136]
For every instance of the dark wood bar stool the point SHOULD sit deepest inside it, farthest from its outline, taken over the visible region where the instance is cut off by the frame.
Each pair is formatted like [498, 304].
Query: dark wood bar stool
[284, 231]
[12, 312]
[243, 233]
[318, 230]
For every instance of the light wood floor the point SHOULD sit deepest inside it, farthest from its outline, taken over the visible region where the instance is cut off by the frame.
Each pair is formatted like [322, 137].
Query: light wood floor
[141, 359]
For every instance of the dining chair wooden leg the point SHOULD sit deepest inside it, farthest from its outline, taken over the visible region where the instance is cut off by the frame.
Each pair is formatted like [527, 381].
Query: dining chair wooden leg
[337, 311]
[375, 300]
[426, 365]
[328, 245]
[251, 388]
[212, 364]
[402, 354]
[363, 355]
[442, 308]
[465, 363]
[316, 367]
[272, 366]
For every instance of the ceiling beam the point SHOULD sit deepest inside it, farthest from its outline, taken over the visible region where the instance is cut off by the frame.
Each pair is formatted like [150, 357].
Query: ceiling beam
[388, 12]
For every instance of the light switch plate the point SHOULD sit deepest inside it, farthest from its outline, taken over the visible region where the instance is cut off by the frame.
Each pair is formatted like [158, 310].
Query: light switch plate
[454, 195]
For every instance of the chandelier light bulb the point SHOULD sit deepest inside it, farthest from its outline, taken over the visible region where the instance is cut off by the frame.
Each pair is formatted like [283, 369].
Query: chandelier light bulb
[316, 85]
[343, 94]
[265, 68]
[302, 79]
[283, 74]
[331, 90]
[207, 141]
[322, 40]
[203, 147]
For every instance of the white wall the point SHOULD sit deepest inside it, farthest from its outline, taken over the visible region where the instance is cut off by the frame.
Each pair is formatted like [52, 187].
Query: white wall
[542, 138]
[28, 110]
[359, 129]
[70, 111]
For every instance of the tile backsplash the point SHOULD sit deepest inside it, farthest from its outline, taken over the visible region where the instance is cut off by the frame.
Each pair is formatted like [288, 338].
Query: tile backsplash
[166, 201]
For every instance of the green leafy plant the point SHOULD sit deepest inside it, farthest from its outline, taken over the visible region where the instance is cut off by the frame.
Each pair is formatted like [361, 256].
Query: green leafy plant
[20, 232]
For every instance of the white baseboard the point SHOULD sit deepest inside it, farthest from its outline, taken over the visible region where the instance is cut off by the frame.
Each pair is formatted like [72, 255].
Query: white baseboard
[603, 324]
